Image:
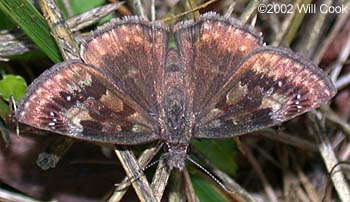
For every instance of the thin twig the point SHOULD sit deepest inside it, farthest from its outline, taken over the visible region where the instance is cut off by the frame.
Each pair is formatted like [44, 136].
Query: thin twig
[53, 152]
[342, 19]
[288, 177]
[137, 7]
[176, 193]
[291, 24]
[193, 4]
[68, 7]
[309, 41]
[160, 180]
[250, 11]
[129, 163]
[59, 29]
[288, 139]
[343, 81]
[9, 196]
[230, 9]
[14, 43]
[267, 186]
[344, 126]
[301, 194]
[342, 57]
[123, 10]
[261, 150]
[153, 11]
[92, 16]
[312, 193]
[329, 157]
[190, 11]
[143, 161]
[189, 190]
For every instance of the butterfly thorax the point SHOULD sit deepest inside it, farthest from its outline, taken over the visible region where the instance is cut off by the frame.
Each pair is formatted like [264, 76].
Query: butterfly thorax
[176, 127]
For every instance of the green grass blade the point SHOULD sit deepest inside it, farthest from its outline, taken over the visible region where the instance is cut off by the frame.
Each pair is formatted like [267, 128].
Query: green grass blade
[33, 24]
[206, 191]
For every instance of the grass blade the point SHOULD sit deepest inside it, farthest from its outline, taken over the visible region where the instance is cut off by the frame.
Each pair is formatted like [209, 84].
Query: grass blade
[33, 24]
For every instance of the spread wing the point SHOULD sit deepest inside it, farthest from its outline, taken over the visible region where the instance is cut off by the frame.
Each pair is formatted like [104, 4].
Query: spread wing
[237, 85]
[272, 85]
[112, 96]
[77, 100]
[133, 52]
[210, 50]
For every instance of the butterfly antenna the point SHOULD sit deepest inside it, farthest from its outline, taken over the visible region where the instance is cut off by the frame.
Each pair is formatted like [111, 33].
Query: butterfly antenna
[210, 175]
[160, 145]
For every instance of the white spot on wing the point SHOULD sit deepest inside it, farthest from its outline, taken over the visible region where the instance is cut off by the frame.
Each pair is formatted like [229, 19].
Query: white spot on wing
[280, 83]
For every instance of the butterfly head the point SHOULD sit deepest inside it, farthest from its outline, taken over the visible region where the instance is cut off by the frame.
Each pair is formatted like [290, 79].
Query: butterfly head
[177, 155]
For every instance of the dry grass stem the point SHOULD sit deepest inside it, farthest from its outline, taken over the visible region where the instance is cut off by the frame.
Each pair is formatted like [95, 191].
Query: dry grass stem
[8, 196]
[330, 159]
[137, 8]
[257, 168]
[189, 190]
[143, 161]
[160, 180]
[287, 139]
[341, 20]
[250, 11]
[132, 169]
[68, 46]
[92, 16]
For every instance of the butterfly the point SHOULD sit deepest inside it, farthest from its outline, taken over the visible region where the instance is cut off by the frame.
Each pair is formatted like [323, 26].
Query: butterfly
[131, 88]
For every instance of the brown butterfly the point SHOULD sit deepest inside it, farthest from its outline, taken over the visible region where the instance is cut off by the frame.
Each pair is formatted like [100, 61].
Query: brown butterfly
[131, 88]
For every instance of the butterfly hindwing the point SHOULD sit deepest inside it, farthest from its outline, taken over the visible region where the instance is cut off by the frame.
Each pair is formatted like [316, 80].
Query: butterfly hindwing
[272, 85]
[77, 100]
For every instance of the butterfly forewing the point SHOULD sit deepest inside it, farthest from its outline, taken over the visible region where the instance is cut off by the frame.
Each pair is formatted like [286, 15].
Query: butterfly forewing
[270, 86]
[132, 51]
[78, 100]
[210, 50]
